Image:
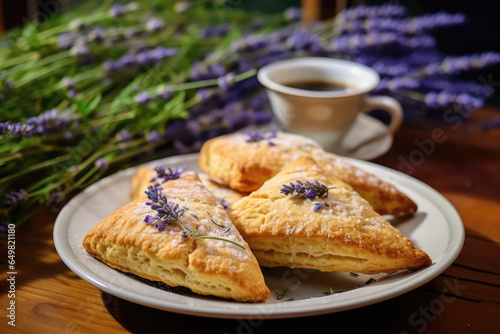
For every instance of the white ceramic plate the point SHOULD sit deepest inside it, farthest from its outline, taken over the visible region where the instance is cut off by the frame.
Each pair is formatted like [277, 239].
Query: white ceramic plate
[436, 228]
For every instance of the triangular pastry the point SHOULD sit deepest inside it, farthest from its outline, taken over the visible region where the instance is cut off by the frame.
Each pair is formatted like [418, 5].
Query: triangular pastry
[245, 161]
[200, 249]
[144, 177]
[339, 231]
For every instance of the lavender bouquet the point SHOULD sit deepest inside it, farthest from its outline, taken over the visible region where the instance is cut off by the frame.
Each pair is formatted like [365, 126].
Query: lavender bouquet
[93, 91]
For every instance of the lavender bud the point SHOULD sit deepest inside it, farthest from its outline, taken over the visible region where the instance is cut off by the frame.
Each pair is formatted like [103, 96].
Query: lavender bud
[227, 81]
[16, 198]
[164, 92]
[143, 98]
[71, 93]
[117, 10]
[293, 14]
[97, 34]
[153, 137]
[123, 136]
[80, 49]
[75, 25]
[154, 25]
[68, 83]
[102, 164]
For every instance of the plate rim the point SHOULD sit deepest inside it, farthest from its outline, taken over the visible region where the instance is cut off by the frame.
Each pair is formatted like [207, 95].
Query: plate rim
[262, 310]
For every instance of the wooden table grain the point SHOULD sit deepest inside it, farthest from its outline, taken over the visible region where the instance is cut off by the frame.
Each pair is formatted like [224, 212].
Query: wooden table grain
[464, 167]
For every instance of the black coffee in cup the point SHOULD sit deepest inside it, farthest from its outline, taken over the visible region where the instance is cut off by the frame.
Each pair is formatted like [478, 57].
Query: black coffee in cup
[318, 85]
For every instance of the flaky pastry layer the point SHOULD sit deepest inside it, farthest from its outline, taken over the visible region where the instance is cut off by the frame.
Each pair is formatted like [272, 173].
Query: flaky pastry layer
[346, 234]
[246, 166]
[206, 266]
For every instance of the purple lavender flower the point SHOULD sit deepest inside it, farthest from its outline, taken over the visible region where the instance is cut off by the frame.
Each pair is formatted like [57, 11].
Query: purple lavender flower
[257, 24]
[180, 147]
[307, 190]
[71, 93]
[143, 58]
[442, 99]
[154, 24]
[194, 127]
[226, 81]
[215, 31]
[165, 175]
[166, 212]
[318, 206]
[197, 71]
[123, 136]
[142, 98]
[98, 34]
[413, 26]
[356, 44]
[159, 53]
[293, 14]
[261, 117]
[47, 122]
[80, 50]
[364, 11]
[225, 204]
[153, 137]
[109, 66]
[102, 164]
[55, 198]
[68, 83]
[117, 10]
[302, 40]
[204, 94]
[65, 40]
[16, 198]
[457, 65]
[164, 92]
[76, 25]
[10, 129]
[256, 136]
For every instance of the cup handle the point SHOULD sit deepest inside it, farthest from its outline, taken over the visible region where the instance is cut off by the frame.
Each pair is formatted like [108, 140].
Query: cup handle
[388, 104]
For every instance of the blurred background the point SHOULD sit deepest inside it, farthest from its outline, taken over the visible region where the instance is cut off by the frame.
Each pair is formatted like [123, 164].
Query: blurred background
[477, 35]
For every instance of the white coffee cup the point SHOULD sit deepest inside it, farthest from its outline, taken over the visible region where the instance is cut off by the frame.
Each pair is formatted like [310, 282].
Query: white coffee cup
[325, 116]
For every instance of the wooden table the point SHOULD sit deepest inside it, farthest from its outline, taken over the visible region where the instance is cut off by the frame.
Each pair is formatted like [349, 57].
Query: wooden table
[465, 168]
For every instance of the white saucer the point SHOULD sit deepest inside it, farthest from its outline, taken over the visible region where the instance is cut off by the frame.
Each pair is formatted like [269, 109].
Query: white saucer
[364, 128]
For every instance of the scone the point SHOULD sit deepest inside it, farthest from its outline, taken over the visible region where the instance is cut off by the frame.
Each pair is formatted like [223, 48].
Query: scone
[226, 196]
[244, 164]
[330, 229]
[194, 243]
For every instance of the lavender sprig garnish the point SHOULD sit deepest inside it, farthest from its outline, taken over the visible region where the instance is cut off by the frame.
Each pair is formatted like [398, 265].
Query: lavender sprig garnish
[256, 137]
[308, 189]
[169, 212]
[16, 198]
[164, 175]
[225, 204]
[166, 212]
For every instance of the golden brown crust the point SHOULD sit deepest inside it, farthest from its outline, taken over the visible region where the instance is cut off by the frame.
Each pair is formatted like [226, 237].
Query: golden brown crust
[246, 166]
[346, 234]
[206, 266]
[144, 175]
